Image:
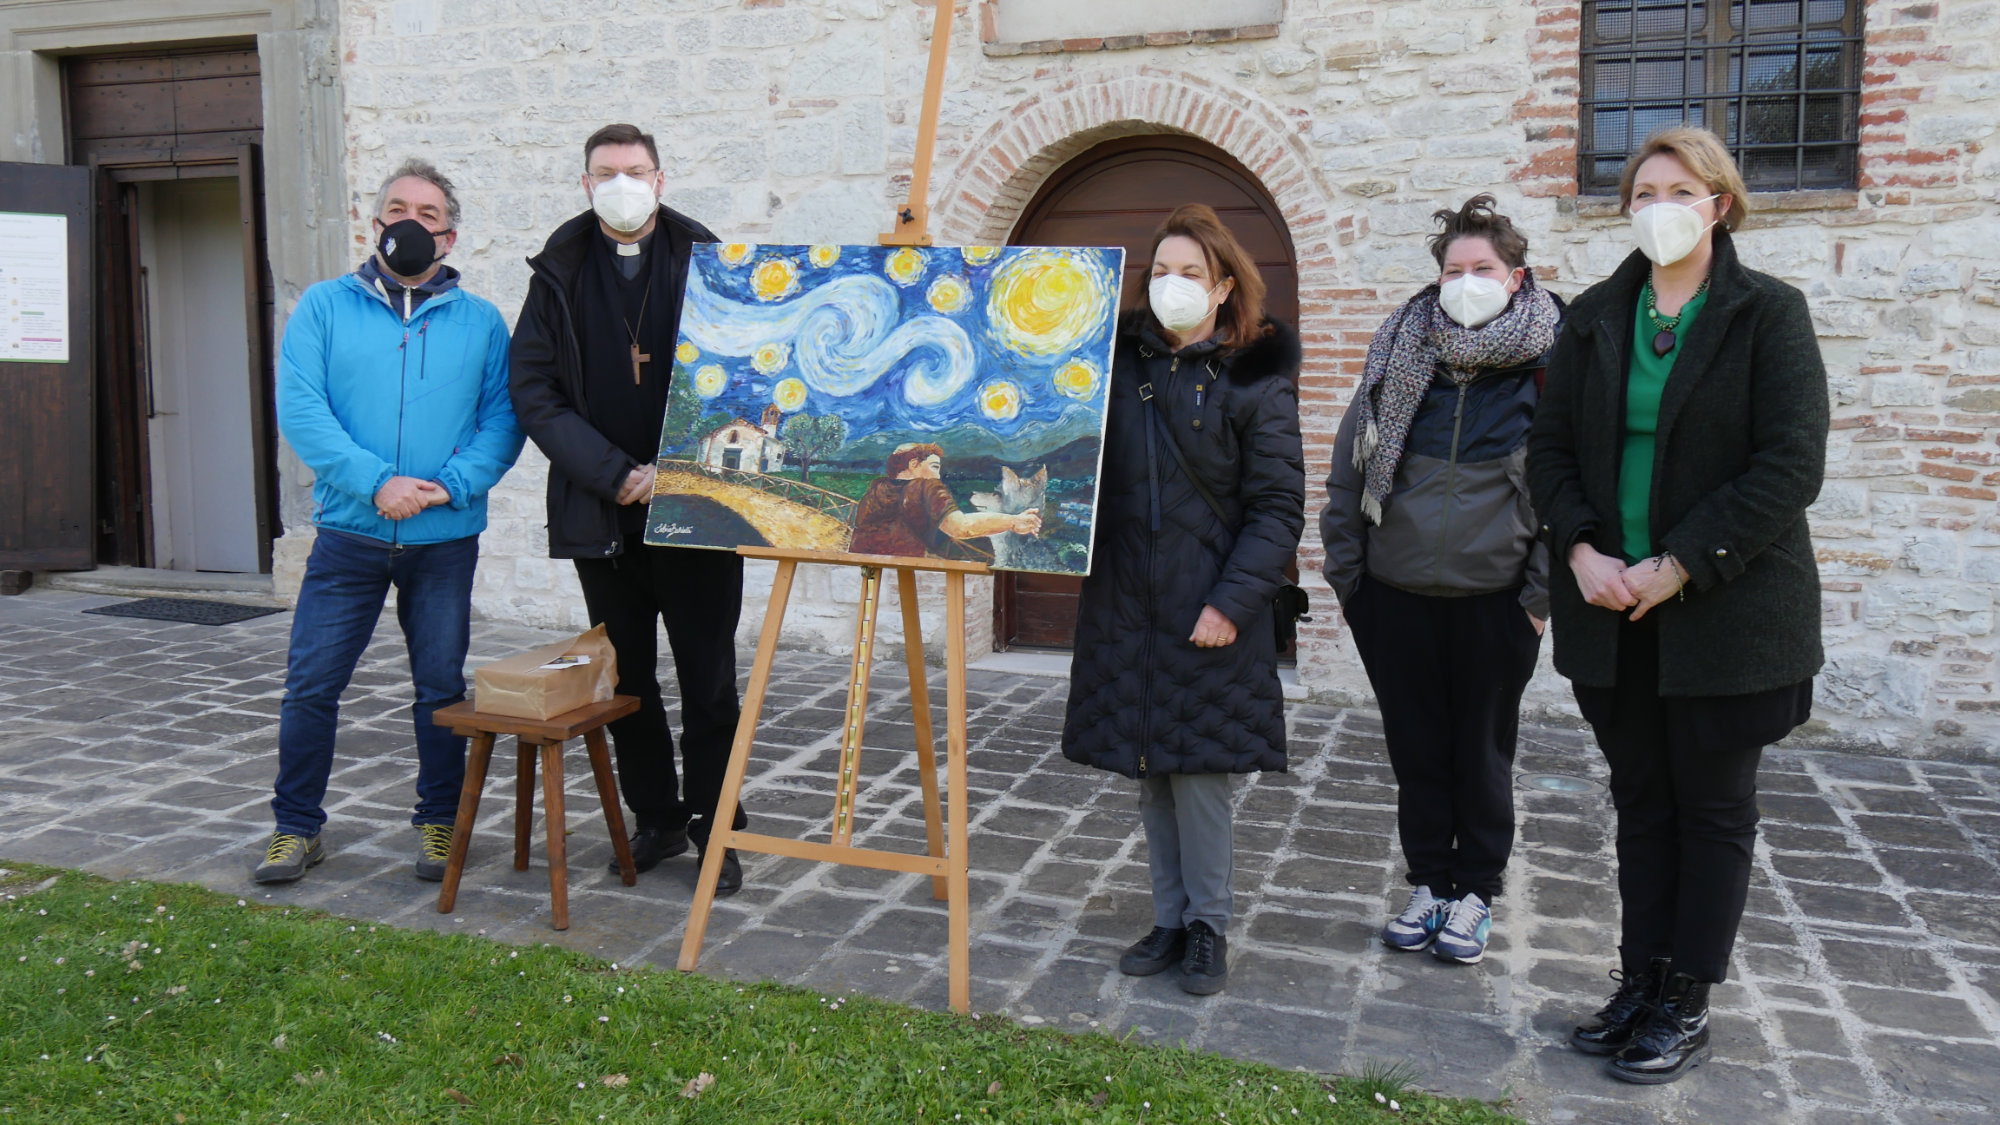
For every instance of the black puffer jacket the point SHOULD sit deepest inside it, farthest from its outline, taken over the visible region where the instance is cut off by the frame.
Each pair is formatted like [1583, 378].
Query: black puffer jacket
[1143, 700]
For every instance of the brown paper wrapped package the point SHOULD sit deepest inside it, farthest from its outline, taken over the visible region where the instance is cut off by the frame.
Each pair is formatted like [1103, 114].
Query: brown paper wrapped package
[521, 688]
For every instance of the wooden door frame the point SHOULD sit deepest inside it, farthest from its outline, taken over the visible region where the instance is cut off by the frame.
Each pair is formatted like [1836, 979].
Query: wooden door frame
[127, 376]
[1093, 160]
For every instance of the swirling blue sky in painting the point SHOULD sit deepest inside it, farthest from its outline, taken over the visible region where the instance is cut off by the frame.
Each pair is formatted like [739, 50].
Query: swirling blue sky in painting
[1014, 340]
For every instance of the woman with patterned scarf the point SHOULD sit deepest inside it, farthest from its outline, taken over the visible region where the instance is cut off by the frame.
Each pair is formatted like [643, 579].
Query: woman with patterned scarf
[1431, 548]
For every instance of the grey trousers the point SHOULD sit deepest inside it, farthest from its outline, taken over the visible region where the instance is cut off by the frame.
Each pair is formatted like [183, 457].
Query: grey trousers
[1191, 847]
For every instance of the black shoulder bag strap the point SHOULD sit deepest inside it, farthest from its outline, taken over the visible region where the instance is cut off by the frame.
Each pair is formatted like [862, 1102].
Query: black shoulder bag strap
[1290, 604]
[1166, 434]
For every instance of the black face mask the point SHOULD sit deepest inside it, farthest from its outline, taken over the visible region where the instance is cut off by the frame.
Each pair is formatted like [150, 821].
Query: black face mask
[407, 247]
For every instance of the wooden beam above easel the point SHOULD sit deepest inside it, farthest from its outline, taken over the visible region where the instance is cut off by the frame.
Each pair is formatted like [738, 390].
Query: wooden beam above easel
[913, 218]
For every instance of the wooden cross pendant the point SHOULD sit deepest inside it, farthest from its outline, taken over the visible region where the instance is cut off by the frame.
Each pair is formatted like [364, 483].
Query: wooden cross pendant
[638, 357]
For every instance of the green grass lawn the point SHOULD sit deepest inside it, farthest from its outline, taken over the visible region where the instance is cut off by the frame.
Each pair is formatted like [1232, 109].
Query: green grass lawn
[148, 1003]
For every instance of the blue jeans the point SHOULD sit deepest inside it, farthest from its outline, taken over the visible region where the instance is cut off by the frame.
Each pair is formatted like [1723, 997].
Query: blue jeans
[347, 581]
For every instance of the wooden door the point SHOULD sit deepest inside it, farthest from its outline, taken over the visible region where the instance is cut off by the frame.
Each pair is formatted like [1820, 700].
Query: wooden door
[1117, 194]
[137, 118]
[46, 401]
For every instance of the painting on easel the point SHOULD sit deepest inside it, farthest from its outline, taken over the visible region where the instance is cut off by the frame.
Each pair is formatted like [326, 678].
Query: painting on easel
[916, 401]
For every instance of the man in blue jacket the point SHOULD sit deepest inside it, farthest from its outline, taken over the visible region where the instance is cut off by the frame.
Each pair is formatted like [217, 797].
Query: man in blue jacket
[392, 388]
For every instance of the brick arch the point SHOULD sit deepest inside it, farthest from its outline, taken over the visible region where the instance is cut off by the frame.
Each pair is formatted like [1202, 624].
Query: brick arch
[985, 192]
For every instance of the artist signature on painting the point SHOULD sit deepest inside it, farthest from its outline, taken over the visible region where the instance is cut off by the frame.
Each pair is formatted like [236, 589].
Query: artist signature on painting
[673, 529]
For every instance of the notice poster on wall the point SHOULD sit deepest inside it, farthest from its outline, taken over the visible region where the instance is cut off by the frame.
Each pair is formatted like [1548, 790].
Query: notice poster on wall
[34, 288]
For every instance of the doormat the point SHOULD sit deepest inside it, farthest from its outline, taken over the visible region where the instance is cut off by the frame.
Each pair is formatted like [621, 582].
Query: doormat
[187, 611]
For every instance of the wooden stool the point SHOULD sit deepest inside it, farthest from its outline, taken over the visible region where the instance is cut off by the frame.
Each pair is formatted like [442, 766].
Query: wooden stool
[547, 735]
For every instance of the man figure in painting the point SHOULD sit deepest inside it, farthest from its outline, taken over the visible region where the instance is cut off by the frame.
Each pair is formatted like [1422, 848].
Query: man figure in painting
[592, 360]
[911, 512]
[392, 387]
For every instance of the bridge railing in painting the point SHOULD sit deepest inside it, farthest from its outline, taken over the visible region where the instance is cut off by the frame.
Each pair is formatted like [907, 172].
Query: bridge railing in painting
[819, 499]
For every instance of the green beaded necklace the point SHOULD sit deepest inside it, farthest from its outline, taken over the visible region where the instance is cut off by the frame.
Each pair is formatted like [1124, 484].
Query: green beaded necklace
[1664, 339]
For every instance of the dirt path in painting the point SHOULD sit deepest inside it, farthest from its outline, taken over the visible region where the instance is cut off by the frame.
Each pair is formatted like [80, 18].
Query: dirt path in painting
[781, 522]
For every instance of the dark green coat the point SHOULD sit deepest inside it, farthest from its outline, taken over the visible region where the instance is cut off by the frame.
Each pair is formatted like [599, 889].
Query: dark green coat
[1741, 452]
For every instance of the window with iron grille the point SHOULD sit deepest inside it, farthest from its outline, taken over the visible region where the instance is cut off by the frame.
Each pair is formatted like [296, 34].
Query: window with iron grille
[1778, 80]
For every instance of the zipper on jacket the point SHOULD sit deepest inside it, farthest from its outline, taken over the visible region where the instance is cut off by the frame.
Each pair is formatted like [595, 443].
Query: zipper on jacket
[402, 385]
[1152, 598]
[1450, 484]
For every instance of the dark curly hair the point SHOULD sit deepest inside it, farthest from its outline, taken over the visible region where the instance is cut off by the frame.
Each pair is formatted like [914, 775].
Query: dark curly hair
[1478, 219]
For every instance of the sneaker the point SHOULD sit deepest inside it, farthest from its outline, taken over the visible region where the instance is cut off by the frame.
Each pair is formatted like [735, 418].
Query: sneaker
[1466, 928]
[433, 851]
[1418, 925]
[286, 860]
[1205, 968]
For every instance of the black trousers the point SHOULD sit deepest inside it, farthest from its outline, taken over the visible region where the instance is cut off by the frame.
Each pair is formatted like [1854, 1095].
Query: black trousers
[1684, 782]
[699, 595]
[1449, 673]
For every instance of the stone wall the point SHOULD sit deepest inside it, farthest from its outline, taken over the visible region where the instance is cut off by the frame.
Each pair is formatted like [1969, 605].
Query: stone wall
[796, 121]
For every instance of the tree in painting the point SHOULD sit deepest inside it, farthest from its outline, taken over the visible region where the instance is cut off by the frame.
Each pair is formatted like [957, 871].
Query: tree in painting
[813, 437]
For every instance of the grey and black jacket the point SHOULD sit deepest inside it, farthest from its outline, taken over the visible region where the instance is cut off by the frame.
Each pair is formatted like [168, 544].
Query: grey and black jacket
[1458, 521]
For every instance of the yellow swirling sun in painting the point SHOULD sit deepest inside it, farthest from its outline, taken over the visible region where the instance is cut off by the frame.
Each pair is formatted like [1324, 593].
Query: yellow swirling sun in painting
[789, 394]
[824, 255]
[768, 359]
[905, 266]
[1077, 379]
[774, 278]
[1045, 302]
[978, 255]
[948, 294]
[710, 381]
[1000, 400]
[686, 352]
[735, 253]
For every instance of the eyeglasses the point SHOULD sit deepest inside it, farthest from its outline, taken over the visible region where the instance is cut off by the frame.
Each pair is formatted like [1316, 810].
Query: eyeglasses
[606, 175]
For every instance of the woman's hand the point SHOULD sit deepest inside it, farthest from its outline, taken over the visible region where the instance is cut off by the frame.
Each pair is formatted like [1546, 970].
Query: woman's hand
[1538, 622]
[1214, 630]
[1601, 578]
[1653, 581]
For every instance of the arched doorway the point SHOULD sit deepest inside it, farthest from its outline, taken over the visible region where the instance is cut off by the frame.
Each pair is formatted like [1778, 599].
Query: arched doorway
[1115, 194]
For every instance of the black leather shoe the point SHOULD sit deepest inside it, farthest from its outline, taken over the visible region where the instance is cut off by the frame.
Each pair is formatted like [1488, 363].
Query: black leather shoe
[1205, 969]
[651, 845]
[730, 880]
[1154, 952]
[1673, 1041]
[1607, 1032]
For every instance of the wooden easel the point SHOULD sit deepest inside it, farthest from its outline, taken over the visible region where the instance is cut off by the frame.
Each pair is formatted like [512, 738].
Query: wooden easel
[945, 863]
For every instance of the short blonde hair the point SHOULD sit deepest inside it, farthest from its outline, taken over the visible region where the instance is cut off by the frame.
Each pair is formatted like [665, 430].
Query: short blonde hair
[1705, 155]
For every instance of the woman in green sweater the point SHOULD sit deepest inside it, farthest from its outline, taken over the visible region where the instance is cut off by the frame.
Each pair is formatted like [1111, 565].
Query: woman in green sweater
[1679, 440]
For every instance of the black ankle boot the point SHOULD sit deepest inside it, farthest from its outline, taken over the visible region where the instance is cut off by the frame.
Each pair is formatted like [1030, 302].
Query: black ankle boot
[1673, 1041]
[1607, 1032]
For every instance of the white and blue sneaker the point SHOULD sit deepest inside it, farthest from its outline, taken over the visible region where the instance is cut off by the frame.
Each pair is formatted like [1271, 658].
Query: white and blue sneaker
[1467, 925]
[1418, 925]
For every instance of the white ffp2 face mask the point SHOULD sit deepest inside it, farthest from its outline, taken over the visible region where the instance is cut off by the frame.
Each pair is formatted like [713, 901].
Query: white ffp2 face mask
[1179, 302]
[1667, 232]
[623, 202]
[1472, 300]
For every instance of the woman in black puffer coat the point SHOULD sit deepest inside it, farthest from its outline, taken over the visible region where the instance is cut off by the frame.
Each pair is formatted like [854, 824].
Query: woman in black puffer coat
[1175, 677]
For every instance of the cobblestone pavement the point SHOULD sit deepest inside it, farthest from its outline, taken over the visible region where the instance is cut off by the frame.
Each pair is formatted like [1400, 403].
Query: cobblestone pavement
[1867, 984]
